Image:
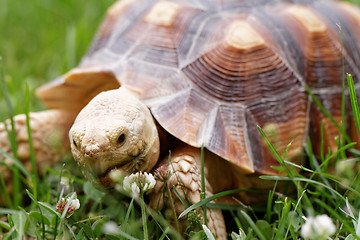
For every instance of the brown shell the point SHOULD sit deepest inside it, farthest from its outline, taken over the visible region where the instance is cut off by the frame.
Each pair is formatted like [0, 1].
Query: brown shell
[211, 71]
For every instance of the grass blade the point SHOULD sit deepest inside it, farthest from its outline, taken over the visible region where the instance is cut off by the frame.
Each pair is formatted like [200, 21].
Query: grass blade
[326, 113]
[164, 233]
[16, 164]
[203, 192]
[207, 232]
[253, 225]
[271, 146]
[12, 137]
[35, 177]
[303, 180]
[283, 220]
[127, 215]
[179, 197]
[209, 199]
[4, 191]
[354, 104]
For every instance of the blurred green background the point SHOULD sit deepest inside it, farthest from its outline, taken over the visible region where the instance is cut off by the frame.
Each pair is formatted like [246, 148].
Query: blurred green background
[42, 39]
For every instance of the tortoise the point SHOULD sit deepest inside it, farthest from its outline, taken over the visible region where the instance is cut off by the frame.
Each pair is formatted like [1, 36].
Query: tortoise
[180, 75]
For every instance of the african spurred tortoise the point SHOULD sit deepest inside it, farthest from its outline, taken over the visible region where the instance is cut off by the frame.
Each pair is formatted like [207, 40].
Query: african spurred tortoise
[183, 74]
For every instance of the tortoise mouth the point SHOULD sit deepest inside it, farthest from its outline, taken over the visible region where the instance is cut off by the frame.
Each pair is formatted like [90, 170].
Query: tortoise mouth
[117, 166]
[130, 166]
[133, 164]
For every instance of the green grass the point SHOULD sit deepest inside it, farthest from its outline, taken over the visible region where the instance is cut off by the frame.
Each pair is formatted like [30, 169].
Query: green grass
[43, 39]
[357, 2]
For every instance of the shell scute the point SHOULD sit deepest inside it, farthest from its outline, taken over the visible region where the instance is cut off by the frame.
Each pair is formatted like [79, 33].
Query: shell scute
[288, 113]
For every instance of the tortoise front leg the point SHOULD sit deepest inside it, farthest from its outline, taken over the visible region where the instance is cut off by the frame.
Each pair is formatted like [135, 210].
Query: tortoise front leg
[49, 131]
[186, 178]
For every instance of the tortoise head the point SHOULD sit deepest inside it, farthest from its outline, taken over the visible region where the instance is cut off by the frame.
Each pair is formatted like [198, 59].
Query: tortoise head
[114, 131]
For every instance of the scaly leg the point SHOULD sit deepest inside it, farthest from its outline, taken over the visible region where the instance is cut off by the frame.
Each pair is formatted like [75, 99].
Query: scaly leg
[49, 130]
[186, 161]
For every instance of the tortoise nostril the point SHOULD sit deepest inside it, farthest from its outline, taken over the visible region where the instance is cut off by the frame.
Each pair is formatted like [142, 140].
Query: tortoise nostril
[121, 138]
[89, 154]
[90, 151]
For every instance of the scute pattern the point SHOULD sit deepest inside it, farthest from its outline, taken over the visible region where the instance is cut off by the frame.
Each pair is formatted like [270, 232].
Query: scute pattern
[320, 47]
[249, 74]
[288, 115]
[160, 42]
[211, 71]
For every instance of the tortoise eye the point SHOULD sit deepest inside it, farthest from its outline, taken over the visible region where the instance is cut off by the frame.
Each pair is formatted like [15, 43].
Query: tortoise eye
[121, 138]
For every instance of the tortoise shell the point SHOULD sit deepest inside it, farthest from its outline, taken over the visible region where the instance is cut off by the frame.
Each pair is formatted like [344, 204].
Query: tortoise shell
[211, 71]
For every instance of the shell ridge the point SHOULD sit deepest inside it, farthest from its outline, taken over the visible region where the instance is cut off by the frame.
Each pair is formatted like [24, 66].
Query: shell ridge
[207, 127]
[155, 102]
[247, 141]
[189, 57]
[142, 61]
[138, 17]
[114, 24]
[229, 120]
[286, 45]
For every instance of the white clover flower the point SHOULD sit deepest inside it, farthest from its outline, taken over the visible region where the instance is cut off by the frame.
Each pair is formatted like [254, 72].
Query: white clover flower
[319, 227]
[74, 204]
[139, 182]
[111, 228]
